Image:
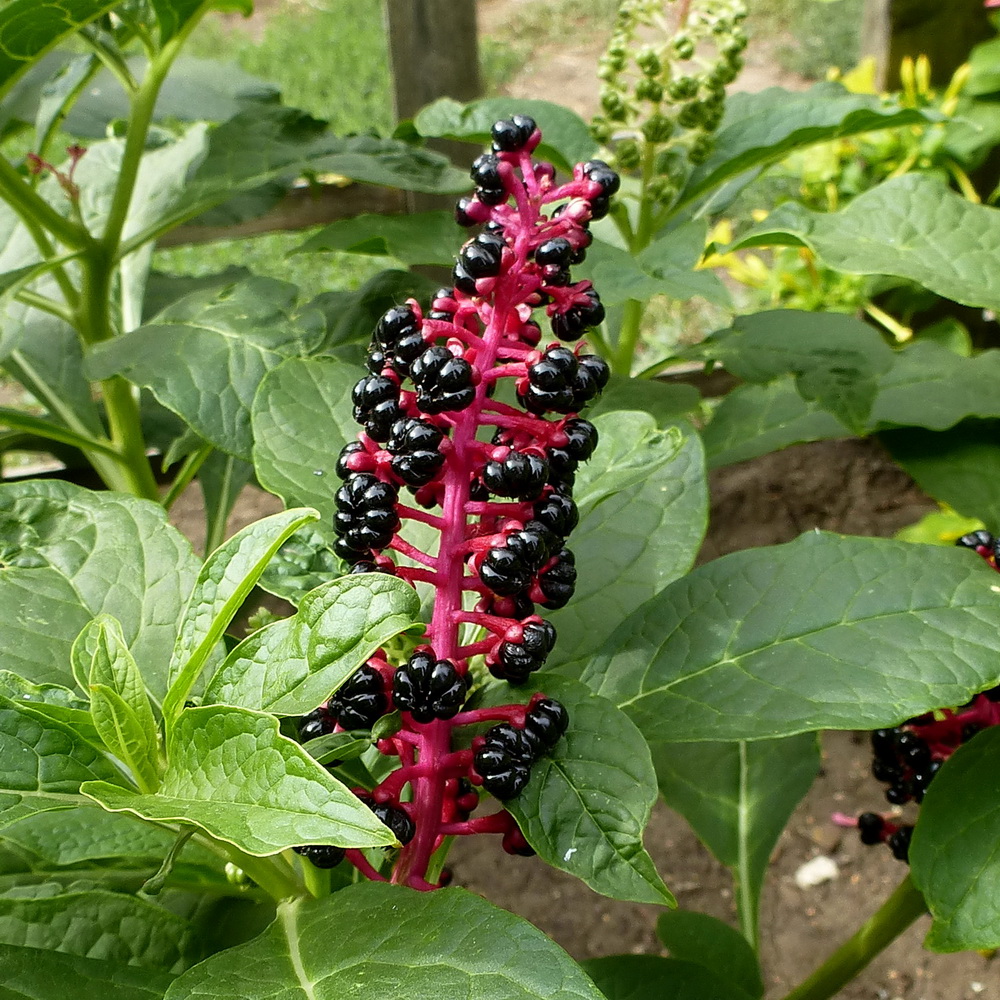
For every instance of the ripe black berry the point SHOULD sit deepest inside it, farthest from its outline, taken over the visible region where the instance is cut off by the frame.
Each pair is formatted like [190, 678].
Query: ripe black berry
[556, 252]
[900, 843]
[397, 323]
[591, 377]
[558, 582]
[462, 216]
[571, 324]
[351, 448]
[361, 700]
[376, 405]
[427, 688]
[414, 445]
[870, 826]
[511, 134]
[558, 513]
[532, 544]
[599, 172]
[481, 257]
[443, 381]
[551, 382]
[502, 777]
[485, 172]
[318, 722]
[516, 660]
[504, 573]
[521, 475]
[366, 517]
[545, 723]
[398, 820]
[321, 855]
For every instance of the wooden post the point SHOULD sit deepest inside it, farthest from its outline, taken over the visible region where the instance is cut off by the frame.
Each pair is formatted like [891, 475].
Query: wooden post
[943, 30]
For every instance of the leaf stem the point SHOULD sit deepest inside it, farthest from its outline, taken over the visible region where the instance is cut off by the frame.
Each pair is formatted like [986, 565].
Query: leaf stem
[45, 304]
[32, 207]
[187, 472]
[895, 915]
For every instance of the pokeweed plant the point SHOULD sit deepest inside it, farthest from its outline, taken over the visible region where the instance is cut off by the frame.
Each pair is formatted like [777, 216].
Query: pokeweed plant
[85, 323]
[179, 818]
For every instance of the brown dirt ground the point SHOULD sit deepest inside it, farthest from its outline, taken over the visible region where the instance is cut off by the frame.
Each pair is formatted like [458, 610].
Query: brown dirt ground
[848, 486]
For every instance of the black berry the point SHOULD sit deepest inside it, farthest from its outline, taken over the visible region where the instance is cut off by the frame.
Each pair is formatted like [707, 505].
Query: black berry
[361, 700]
[427, 688]
[443, 381]
[521, 475]
[511, 134]
[558, 581]
[321, 855]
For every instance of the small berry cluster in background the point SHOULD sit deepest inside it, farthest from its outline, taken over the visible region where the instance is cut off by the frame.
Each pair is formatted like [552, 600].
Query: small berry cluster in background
[664, 77]
[906, 758]
[494, 482]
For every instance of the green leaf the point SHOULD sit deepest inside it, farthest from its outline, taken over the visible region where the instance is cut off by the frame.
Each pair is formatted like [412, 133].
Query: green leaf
[52, 701]
[422, 238]
[291, 459]
[642, 517]
[69, 554]
[291, 666]
[639, 977]
[707, 941]
[738, 798]
[42, 763]
[754, 420]
[221, 478]
[232, 774]
[955, 853]
[959, 466]
[225, 581]
[826, 632]
[422, 951]
[112, 666]
[303, 563]
[665, 401]
[911, 227]
[566, 138]
[588, 800]
[28, 29]
[334, 747]
[108, 926]
[123, 734]
[173, 15]
[763, 128]
[836, 359]
[204, 356]
[37, 974]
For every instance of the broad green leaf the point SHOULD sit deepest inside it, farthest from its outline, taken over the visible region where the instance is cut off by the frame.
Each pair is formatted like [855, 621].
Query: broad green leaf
[42, 763]
[112, 666]
[738, 798]
[291, 666]
[52, 701]
[338, 746]
[754, 420]
[589, 799]
[911, 227]
[959, 466]
[639, 977]
[836, 359]
[174, 15]
[955, 854]
[70, 554]
[428, 946]
[707, 941]
[38, 974]
[230, 773]
[294, 400]
[58, 94]
[931, 386]
[422, 238]
[164, 290]
[665, 267]
[763, 128]
[124, 735]
[29, 28]
[633, 542]
[204, 356]
[303, 563]
[225, 581]
[664, 400]
[566, 138]
[826, 632]
[108, 926]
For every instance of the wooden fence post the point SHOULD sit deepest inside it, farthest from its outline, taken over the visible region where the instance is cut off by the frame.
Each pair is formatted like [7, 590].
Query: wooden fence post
[943, 30]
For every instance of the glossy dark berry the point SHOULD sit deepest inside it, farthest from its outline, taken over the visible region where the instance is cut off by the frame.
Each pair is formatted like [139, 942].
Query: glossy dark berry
[556, 252]
[361, 700]
[504, 573]
[427, 688]
[368, 566]
[321, 855]
[870, 826]
[884, 743]
[551, 383]
[532, 544]
[462, 280]
[444, 382]
[545, 723]
[318, 722]
[883, 770]
[414, 445]
[485, 172]
[491, 196]
[558, 513]
[376, 405]
[517, 660]
[511, 134]
[571, 324]
[558, 581]
[398, 323]
[521, 475]
[351, 448]
[502, 777]
[462, 216]
[899, 842]
[481, 257]
[898, 794]
[366, 517]
[397, 819]
[591, 377]
[599, 172]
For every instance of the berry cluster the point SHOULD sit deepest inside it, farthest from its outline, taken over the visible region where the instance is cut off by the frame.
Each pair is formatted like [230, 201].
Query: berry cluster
[906, 758]
[495, 483]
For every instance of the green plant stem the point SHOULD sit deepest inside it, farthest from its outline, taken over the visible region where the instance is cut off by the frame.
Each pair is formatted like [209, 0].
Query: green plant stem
[40, 427]
[124, 423]
[32, 207]
[112, 60]
[187, 472]
[628, 338]
[317, 880]
[900, 910]
[45, 304]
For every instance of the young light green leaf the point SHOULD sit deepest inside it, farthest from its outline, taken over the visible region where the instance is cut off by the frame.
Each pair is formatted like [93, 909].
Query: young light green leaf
[566, 137]
[37, 974]
[639, 977]
[113, 666]
[230, 773]
[71, 554]
[42, 763]
[338, 746]
[291, 459]
[204, 356]
[421, 238]
[588, 800]
[738, 798]
[912, 227]
[955, 853]
[28, 29]
[826, 632]
[52, 701]
[228, 576]
[422, 951]
[291, 666]
[959, 466]
[123, 733]
[640, 527]
[707, 941]
[754, 420]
